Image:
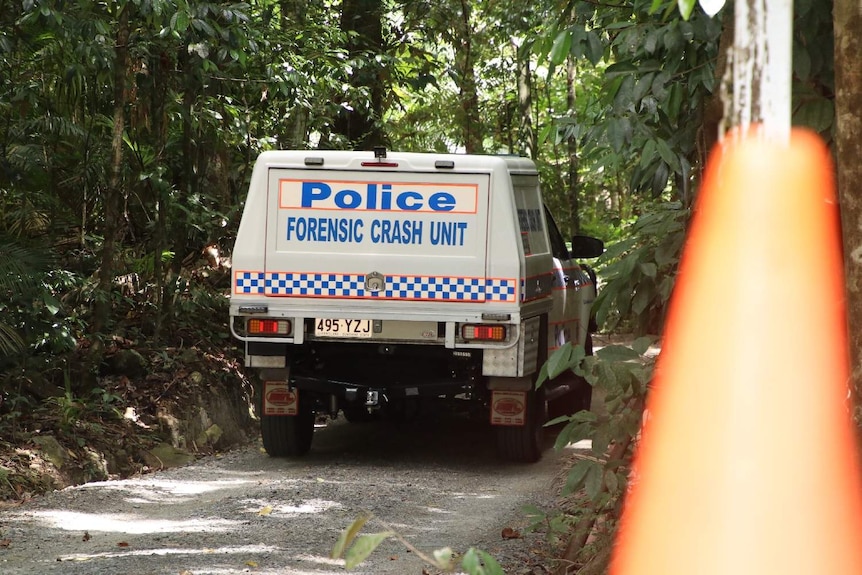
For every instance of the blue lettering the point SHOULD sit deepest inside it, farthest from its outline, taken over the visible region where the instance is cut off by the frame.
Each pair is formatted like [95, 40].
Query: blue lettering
[324, 229]
[403, 232]
[372, 196]
[348, 199]
[416, 232]
[387, 197]
[375, 197]
[313, 191]
[404, 197]
[442, 202]
[448, 233]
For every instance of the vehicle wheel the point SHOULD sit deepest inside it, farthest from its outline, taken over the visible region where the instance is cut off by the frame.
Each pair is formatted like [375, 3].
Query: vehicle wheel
[580, 398]
[524, 444]
[288, 435]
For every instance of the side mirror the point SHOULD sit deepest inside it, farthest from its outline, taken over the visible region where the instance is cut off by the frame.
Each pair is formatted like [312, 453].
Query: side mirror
[587, 247]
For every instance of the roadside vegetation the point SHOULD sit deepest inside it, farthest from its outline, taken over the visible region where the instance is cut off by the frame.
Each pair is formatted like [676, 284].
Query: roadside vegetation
[127, 134]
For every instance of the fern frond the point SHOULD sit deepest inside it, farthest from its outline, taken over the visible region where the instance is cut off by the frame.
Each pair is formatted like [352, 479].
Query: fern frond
[21, 266]
[10, 341]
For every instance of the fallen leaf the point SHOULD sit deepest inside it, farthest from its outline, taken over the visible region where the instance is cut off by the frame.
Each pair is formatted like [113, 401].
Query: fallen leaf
[86, 536]
[251, 563]
[509, 533]
[122, 544]
[266, 510]
[393, 558]
[5, 542]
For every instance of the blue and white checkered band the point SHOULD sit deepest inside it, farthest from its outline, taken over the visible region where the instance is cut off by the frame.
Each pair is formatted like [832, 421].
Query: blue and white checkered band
[398, 287]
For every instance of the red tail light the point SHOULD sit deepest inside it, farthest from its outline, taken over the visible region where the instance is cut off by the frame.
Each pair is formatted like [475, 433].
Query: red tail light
[269, 327]
[483, 332]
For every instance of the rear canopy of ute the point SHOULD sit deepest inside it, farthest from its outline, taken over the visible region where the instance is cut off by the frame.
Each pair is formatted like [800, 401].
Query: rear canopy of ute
[345, 228]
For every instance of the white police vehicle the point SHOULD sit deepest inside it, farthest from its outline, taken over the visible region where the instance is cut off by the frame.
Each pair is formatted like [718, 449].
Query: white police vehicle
[375, 281]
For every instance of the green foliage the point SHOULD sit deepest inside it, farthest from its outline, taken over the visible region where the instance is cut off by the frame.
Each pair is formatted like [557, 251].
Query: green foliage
[363, 546]
[686, 7]
[639, 271]
[609, 99]
[355, 548]
[813, 67]
[597, 481]
[622, 374]
[72, 410]
[659, 72]
[478, 562]
[32, 314]
[348, 535]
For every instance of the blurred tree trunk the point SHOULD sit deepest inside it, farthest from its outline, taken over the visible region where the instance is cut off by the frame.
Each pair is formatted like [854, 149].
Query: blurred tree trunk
[847, 20]
[114, 193]
[713, 122]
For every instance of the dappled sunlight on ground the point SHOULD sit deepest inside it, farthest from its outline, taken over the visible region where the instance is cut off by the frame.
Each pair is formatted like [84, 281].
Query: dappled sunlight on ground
[163, 491]
[473, 496]
[236, 555]
[245, 512]
[122, 522]
[244, 549]
[321, 560]
[437, 510]
[310, 506]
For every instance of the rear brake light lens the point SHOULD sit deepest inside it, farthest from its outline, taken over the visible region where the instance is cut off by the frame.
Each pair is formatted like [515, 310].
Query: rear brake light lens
[269, 327]
[483, 332]
[380, 164]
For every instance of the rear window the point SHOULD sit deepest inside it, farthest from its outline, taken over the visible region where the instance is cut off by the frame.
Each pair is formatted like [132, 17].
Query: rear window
[530, 220]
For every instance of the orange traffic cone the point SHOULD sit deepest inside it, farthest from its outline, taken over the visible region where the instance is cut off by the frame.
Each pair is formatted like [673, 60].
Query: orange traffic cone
[749, 464]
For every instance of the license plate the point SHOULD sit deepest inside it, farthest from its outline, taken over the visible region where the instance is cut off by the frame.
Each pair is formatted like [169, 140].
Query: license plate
[354, 328]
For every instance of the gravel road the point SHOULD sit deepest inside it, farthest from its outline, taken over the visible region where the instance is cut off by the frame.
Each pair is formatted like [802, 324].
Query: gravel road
[436, 481]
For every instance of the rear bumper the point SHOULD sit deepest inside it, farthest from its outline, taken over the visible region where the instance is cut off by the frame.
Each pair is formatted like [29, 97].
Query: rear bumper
[352, 391]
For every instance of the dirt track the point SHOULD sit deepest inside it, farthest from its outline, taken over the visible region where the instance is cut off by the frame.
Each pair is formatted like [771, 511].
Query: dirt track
[438, 483]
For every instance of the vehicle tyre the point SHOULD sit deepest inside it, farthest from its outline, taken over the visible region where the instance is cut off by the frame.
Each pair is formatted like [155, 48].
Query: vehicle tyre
[524, 444]
[580, 398]
[288, 435]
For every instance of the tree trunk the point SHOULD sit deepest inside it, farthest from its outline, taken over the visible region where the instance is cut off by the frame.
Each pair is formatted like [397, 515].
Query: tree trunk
[847, 20]
[526, 134]
[295, 133]
[468, 91]
[186, 183]
[160, 65]
[573, 183]
[114, 196]
[361, 23]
